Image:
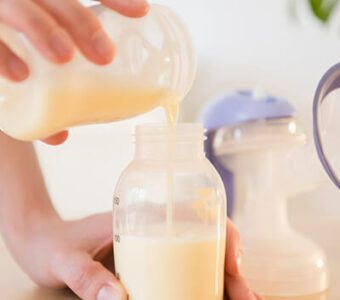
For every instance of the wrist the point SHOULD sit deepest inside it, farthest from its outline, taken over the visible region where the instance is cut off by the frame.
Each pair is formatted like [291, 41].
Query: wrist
[20, 226]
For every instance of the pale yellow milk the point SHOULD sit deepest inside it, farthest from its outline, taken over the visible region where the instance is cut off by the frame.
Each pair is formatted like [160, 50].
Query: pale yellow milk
[104, 105]
[62, 108]
[171, 111]
[171, 268]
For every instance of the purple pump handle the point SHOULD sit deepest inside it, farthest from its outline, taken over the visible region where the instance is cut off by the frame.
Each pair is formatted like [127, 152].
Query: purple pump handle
[328, 83]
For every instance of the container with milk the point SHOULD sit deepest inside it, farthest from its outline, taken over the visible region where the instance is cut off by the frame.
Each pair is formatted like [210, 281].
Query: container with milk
[170, 218]
[154, 65]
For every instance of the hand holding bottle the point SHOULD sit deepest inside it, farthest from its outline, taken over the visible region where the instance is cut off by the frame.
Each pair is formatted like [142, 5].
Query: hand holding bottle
[236, 286]
[55, 29]
[78, 254]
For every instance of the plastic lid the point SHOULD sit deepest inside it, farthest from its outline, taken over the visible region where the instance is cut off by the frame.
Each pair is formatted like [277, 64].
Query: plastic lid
[259, 135]
[244, 106]
[328, 83]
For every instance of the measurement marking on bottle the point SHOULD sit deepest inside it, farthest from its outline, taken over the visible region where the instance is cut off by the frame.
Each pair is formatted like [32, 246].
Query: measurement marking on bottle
[117, 238]
[116, 200]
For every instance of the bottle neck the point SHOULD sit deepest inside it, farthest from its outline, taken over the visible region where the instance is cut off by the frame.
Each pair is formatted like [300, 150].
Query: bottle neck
[160, 142]
[169, 150]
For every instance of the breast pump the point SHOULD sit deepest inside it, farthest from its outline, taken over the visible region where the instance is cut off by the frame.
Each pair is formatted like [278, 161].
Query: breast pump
[154, 65]
[259, 141]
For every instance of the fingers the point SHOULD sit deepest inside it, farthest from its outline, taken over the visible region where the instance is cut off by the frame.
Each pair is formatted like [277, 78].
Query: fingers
[83, 27]
[129, 8]
[238, 289]
[89, 279]
[96, 231]
[56, 139]
[11, 66]
[44, 22]
[96, 237]
[39, 27]
[236, 286]
[233, 250]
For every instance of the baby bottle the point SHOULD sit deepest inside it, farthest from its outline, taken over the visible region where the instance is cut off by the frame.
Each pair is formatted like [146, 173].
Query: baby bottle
[154, 65]
[170, 218]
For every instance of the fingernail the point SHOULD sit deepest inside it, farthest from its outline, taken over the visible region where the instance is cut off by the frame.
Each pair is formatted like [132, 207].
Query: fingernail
[239, 259]
[253, 296]
[62, 45]
[140, 7]
[110, 292]
[103, 45]
[17, 68]
[141, 3]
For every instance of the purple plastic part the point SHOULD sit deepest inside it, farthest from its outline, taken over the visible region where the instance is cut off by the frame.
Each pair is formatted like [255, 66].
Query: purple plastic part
[235, 108]
[328, 83]
[239, 107]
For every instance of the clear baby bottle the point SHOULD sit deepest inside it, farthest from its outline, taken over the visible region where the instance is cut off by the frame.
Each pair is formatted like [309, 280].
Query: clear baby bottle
[154, 65]
[170, 218]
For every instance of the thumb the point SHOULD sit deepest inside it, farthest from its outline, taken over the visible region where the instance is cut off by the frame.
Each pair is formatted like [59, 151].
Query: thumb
[94, 233]
[234, 250]
[238, 289]
[89, 279]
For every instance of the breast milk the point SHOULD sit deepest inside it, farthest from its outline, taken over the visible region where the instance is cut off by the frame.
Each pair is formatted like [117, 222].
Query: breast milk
[165, 268]
[63, 108]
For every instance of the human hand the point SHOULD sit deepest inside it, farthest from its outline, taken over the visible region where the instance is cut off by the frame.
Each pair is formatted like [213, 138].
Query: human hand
[55, 28]
[236, 286]
[76, 254]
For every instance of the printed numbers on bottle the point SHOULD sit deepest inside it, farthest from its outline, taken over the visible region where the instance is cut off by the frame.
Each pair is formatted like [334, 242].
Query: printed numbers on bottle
[117, 238]
[116, 200]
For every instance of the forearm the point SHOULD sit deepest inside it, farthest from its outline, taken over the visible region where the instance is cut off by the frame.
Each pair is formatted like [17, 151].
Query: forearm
[24, 200]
